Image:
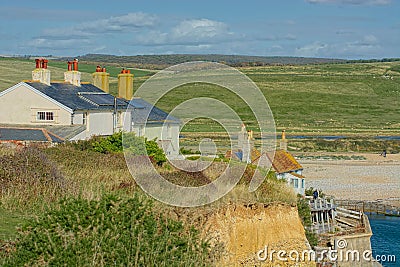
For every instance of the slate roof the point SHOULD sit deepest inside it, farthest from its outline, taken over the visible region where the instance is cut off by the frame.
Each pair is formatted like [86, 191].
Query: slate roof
[142, 110]
[65, 132]
[28, 134]
[79, 97]
[90, 97]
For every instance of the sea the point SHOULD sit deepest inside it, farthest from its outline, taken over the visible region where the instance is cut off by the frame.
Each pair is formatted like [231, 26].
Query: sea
[385, 241]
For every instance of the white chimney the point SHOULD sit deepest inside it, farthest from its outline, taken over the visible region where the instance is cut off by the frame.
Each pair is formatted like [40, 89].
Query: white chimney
[73, 76]
[41, 73]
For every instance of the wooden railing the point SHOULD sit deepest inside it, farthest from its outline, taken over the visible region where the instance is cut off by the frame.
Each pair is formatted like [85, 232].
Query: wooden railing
[372, 207]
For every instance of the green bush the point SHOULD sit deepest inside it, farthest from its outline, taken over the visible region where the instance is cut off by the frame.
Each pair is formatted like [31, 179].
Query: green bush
[155, 152]
[304, 211]
[108, 232]
[114, 144]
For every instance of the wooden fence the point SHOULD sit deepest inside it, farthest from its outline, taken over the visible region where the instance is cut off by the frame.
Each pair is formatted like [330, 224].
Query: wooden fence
[371, 207]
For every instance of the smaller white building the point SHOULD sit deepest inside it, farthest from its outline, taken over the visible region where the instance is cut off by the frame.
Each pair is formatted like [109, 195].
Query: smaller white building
[288, 168]
[283, 163]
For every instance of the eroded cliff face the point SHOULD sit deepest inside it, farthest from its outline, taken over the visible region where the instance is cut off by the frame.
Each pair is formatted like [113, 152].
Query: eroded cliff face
[245, 230]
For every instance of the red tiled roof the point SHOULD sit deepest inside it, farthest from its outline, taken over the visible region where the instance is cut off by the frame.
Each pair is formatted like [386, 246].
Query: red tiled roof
[282, 162]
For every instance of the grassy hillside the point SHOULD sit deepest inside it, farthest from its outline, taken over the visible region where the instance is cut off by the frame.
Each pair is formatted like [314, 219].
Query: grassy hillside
[157, 61]
[327, 98]
[318, 98]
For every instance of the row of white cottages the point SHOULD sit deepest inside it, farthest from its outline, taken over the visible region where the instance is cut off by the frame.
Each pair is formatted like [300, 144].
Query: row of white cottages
[73, 110]
[46, 111]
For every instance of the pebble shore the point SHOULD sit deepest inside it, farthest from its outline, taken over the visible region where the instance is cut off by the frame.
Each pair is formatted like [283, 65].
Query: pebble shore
[375, 178]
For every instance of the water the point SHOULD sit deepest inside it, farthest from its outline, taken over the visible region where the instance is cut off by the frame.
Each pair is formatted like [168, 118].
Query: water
[388, 138]
[325, 137]
[386, 237]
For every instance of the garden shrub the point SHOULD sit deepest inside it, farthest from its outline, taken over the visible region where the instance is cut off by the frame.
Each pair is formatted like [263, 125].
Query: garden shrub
[114, 144]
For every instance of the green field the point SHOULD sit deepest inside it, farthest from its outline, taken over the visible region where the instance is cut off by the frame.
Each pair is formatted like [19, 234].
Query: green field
[330, 98]
[360, 98]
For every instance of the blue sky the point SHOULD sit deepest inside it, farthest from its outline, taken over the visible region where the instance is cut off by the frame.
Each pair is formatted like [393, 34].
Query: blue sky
[350, 29]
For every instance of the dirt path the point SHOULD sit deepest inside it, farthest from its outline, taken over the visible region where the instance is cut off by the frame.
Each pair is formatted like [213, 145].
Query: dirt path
[371, 179]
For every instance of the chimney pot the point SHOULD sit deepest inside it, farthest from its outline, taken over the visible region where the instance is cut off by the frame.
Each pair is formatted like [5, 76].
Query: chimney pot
[75, 64]
[44, 62]
[37, 63]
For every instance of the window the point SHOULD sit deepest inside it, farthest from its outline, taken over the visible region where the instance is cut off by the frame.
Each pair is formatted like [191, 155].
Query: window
[45, 116]
[294, 182]
[302, 183]
[84, 118]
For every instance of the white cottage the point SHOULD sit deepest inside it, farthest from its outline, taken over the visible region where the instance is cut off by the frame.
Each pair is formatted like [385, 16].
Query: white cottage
[75, 111]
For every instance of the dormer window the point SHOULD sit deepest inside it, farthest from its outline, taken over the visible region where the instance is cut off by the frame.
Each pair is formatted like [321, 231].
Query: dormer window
[45, 116]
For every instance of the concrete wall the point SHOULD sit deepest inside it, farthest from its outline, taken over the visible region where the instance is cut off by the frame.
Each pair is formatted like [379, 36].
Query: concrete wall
[100, 123]
[20, 106]
[78, 118]
[355, 242]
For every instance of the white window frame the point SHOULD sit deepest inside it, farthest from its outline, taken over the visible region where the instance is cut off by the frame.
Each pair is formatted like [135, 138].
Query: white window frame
[45, 115]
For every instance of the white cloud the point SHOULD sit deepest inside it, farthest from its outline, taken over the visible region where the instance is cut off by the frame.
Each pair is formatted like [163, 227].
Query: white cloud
[200, 29]
[312, 50]
[351, 2]
[365, 45]
[125, 23]
[193, 32]
[128, 22]
[59, 44]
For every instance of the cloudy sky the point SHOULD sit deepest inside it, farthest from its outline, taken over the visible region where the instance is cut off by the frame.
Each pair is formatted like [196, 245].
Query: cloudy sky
[350, 29]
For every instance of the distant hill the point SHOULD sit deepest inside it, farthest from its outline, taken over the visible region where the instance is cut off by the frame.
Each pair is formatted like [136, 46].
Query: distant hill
[155, 61]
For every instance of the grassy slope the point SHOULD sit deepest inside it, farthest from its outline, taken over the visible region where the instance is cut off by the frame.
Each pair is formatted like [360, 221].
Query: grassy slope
[327, 98]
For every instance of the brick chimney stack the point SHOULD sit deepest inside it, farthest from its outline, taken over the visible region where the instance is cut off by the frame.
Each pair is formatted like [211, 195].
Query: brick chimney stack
[125, 84]
[41, 73]
[101, 79]
[283, 142]
[72, 75]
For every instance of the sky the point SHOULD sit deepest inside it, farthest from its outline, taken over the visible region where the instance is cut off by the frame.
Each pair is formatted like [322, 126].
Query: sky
[348, 29]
